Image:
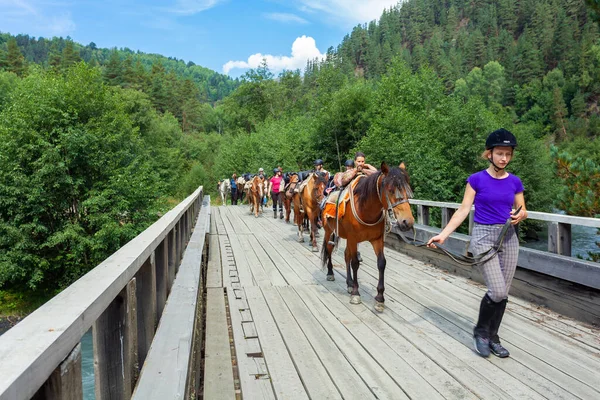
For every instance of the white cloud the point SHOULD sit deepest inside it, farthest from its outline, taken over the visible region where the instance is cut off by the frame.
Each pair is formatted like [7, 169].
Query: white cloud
[17, 14]
[191, 7]
[285, 18]
[349, 11]
[304, 48]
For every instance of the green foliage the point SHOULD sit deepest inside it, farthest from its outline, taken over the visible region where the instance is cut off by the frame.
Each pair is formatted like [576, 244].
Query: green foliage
[83, 169]
[581, 176]
[61, 53]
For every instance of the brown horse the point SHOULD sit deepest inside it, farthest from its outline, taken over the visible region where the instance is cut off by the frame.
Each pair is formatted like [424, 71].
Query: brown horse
[373, 200]
[306, 205]
[289, 194]
[255, 194]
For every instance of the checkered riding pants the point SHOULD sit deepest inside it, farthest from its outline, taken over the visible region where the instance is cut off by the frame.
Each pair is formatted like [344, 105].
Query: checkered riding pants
[498, 272]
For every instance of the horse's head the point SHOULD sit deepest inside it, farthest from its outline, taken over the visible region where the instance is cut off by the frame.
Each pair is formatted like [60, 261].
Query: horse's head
[395, 194]
[319, 182]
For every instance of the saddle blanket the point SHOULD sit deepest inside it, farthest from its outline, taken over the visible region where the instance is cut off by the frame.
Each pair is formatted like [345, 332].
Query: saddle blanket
[343, 195]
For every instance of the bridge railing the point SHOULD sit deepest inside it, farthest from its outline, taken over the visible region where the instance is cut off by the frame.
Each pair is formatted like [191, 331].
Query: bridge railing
[549, 278]
[122, 299]
[559, 226]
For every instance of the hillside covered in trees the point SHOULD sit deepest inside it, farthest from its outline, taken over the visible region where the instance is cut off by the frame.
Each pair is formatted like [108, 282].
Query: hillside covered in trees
[95, 144]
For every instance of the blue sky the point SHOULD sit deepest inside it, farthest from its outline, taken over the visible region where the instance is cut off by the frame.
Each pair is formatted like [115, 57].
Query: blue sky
[227, 36]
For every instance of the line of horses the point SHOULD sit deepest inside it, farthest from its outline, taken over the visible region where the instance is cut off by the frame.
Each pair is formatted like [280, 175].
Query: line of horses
[375, 203]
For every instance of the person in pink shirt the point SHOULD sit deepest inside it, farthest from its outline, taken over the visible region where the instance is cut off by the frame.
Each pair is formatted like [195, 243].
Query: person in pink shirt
[275, 184]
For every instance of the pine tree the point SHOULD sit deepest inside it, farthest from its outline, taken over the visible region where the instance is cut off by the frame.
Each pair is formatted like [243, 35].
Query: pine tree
[578, 105]
[451, 23]
[3, 62]
[528, 63]
[15, 62]
[559, 114]
[158, 89]
[113, 70]
[70, 56]
[507, 15]
[54, 57]
[129, 78]
[477, 51]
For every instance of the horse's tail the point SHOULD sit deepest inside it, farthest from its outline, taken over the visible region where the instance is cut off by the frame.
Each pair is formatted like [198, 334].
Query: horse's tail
[324, 253]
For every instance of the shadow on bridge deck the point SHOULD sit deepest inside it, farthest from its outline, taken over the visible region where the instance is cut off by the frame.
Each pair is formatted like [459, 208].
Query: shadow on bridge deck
[292, 334]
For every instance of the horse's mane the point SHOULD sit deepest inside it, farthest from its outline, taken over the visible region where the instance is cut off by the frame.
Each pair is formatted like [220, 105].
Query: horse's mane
[398, 177]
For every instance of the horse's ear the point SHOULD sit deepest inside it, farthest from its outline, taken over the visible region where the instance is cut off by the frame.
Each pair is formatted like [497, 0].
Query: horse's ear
[384, 167]
[402, 166]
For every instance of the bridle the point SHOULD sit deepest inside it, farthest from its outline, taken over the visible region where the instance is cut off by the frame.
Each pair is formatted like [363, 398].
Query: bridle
[391, 218]
[315, 190]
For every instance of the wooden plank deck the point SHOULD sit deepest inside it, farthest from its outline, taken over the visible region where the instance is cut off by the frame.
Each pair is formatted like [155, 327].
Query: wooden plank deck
[295, 335]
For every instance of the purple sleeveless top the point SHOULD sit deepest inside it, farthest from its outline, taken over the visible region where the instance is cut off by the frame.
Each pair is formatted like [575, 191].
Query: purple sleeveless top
[494, 197]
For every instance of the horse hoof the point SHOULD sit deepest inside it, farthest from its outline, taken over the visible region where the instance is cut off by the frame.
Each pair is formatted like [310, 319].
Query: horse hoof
[355, 299]
[300, 240]
[331, 278]
[379, 306]
[350, 289]
[315, 249]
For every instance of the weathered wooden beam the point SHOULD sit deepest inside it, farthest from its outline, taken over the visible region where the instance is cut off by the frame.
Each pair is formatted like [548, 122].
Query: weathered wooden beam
[146, 308]
[172, 257]
[447, 215]
[65, 383]
[161, 259]
[169, 366]
[423, 214]
[559, 238]
[115, 347]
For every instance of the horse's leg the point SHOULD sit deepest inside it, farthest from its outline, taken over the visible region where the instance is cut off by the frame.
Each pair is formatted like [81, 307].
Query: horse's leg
[313, 233]
[301, 228]
[327, 251]
[351, 260]
[379, 299]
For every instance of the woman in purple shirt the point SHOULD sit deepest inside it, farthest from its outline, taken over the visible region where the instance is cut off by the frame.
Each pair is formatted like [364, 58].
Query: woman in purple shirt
[494, 192]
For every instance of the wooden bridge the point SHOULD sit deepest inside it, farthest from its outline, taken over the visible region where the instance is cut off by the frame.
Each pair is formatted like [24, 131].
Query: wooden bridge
[249, 314]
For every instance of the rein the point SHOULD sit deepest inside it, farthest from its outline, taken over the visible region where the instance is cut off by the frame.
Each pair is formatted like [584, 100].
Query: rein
[390, 207]
[467, 260]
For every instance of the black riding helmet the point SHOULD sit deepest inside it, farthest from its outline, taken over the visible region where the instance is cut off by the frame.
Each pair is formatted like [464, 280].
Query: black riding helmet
[275, 171]
[349, 163]
[500, 137]
[318, 162]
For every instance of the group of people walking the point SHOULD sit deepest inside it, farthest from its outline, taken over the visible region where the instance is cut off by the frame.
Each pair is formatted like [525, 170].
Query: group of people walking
[494, 192]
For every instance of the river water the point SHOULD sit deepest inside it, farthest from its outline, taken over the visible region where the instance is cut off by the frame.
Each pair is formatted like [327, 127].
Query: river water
[583, 240]
[87, 366]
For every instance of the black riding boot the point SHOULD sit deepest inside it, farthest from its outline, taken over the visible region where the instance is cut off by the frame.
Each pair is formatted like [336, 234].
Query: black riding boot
[275, 213]
[481, 333]
[496, 348]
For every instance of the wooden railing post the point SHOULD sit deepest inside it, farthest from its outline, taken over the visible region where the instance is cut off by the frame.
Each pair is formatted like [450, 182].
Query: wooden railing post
[161, 259]
[65, 383]
[178, 241]
[116, 365]
[559, 238]
[471, 221]
[423, 214]
[172, 256]
[446, 215]
[146, 307]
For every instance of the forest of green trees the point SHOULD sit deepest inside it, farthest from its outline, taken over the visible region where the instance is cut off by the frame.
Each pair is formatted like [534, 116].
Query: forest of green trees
[95, 144]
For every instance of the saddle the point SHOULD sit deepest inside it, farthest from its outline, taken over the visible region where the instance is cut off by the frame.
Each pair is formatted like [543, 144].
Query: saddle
[339, 199]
